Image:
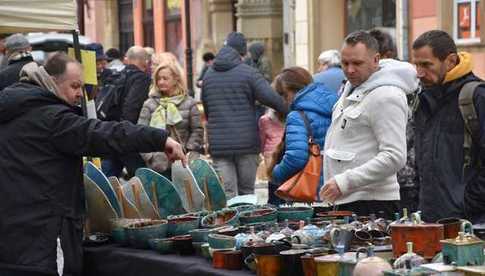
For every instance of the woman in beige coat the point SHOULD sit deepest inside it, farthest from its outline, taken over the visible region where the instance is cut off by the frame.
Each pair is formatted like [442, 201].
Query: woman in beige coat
[169, 107]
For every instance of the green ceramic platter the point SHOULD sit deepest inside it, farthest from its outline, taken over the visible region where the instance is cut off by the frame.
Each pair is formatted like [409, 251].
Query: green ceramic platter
[208, 181]
[135, 192]
[99, 209]
[186, 185]
[103, 183]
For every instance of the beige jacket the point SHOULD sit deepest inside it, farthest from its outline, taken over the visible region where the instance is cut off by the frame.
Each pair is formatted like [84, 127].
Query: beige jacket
[365, 145]
[190, 130]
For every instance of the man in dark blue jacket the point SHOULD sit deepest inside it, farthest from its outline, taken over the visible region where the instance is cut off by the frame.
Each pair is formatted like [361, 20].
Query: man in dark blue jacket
[229, 92]
[449, 187]
[18, 54]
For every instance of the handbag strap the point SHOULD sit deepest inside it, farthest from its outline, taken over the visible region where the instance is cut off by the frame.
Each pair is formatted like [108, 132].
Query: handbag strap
[307, 126]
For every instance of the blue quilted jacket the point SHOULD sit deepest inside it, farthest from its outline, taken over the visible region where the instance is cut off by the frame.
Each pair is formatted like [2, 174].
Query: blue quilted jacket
[317, 101]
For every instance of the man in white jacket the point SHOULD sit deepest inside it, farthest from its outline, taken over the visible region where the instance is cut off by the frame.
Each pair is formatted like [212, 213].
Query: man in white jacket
[366, 143]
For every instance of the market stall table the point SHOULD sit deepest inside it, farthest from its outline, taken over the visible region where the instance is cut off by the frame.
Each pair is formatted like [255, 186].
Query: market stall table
[107, 260]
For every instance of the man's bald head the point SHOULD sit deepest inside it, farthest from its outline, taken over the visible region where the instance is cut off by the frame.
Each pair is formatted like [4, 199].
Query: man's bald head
[137, 56]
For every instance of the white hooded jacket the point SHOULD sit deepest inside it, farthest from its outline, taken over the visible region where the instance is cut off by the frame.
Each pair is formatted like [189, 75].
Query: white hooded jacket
[366, 143]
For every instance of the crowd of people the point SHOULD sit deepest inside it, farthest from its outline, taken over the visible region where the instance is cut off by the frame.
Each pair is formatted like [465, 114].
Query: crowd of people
[393, 134]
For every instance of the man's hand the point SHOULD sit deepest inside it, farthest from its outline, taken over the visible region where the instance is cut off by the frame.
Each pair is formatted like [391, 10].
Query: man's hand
[330, 191]
[174, 151]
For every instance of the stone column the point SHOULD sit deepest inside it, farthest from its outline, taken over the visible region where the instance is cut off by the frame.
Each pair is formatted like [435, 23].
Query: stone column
[138, 22]
[221, 17]
[159, 25]
[262, 20]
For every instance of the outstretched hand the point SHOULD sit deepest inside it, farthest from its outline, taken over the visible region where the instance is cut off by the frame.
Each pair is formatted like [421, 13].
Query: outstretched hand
[174, 151]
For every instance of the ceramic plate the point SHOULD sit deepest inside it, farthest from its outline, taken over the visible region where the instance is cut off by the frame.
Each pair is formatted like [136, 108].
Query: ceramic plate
[128, 208]
[99, 209]
[102, 181]
[162, 192]
[135, 193]
[209, 183]
[186, 185]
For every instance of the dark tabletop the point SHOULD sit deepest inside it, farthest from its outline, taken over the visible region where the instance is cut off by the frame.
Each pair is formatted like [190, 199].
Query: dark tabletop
[114, 260]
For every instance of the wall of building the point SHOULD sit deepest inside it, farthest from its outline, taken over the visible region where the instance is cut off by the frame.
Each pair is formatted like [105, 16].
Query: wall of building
[101, 22]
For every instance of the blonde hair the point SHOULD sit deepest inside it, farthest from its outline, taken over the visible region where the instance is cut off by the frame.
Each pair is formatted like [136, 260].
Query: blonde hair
[177, 73]
[163, 58]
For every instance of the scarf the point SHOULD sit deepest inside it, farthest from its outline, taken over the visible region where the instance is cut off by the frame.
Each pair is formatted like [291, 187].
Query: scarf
[167, 112]
[464, 67]
[37, 74]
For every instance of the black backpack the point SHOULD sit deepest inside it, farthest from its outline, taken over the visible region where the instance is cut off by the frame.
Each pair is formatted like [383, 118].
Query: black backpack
[111, 96]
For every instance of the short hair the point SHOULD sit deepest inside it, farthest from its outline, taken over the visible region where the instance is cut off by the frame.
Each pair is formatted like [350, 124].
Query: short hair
[362, 37]
[137, 53]
[208, 56]
[178, 73]
[56, 64]
[330, 57]
[113, 53]
[292, 79]
[440, 43]
[385, 41]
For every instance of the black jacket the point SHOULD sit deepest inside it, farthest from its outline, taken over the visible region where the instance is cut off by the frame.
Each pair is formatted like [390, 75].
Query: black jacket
[229, 92]
[42, 141]
[10, 74]
[446, 188]
[135, 93]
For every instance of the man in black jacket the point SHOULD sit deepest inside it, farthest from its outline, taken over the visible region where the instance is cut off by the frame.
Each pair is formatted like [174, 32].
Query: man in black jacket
[229, 92]
[18, 54]
[449, 186]
[134, 95]
[43, 139]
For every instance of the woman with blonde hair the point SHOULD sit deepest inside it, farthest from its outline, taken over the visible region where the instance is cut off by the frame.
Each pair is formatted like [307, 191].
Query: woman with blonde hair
[169, 107]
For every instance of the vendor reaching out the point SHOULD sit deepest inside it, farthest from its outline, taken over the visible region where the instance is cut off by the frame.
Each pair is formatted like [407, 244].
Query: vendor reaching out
[43, 139]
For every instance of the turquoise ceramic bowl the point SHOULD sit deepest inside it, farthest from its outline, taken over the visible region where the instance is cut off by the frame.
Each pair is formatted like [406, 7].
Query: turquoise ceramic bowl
[217, 241]
[204, 250]
[226, 216]
[200, 235]
[261, 215]
[181, 225]
[162, 246]
[295, 213]
[139, 233]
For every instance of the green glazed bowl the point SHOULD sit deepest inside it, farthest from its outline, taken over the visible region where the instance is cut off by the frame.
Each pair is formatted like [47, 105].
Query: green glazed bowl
[200, 235]
[226, 216]
[295, 213]
[181, 225]
[217, 241]
[260, 215]
[139, 233]
[162, 246]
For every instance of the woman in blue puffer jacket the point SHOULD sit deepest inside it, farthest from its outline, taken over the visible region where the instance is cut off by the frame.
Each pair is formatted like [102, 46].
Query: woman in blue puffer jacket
[316, 101]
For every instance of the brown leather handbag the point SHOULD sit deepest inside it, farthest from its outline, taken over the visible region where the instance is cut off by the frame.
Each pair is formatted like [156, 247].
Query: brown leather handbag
[302, 187]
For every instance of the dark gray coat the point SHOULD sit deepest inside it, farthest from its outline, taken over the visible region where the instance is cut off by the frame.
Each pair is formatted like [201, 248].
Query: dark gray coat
[229, 92]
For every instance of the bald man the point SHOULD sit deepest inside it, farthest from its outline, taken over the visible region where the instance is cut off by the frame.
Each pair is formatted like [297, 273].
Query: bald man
[132, 97]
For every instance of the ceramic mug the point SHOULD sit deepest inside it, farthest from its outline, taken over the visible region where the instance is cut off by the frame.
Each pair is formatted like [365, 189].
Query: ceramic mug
[268, 265]
[341, 236]
[227, 259]
[183, 245]
[451, 227]
[292, 264]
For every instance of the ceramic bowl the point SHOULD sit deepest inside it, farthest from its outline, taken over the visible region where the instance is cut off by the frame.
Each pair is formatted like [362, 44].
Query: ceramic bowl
[181, 225]
[139, 233]
[118, 229]
[295, 213]
[162, 246]
[224, 217]
[198, 248]
[261, 215]
[200, 235]
[183, 245]
[217, 241]
[204, 249]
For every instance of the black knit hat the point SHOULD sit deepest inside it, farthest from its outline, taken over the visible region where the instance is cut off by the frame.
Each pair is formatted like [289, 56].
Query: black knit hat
[237, 41]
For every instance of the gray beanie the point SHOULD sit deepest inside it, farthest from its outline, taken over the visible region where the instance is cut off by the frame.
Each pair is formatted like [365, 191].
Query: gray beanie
[16, 43]
[237, 41]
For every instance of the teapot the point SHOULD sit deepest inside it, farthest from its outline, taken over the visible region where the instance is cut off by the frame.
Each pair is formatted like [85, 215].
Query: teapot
[371, 265]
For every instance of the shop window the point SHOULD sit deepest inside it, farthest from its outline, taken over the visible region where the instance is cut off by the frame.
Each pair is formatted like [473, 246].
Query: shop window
[466, 21]
[369, 14]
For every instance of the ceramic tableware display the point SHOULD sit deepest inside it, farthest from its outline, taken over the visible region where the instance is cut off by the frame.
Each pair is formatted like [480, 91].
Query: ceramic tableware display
[135, 192]
[118, 225]
[451, 227]
[186, 185]
[465, 250]
[210, 184]
[99, 209]
[227, 259]
[291, 260]
[408, 261]
[128, 208]
[139, 233]
[200, 235]
[217, 241]
[161, 192]
[183, 245]
[268, 265]
[98, 177]
[371, 265]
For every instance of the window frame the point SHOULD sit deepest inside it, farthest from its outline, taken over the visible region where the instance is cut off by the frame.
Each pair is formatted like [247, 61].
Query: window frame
[474, 7]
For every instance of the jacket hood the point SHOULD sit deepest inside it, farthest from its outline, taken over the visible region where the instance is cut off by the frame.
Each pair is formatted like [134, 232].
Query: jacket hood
[226, 59]
[256, 50]
[22, 97]
[464, 67]
[392, 73]
[315, 97]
